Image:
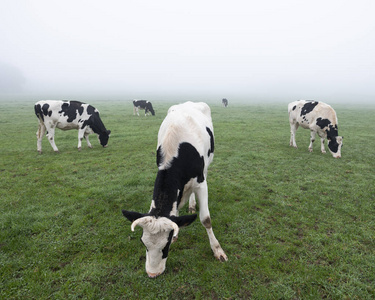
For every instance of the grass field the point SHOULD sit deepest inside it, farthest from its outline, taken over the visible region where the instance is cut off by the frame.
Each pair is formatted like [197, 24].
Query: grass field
[294, 224]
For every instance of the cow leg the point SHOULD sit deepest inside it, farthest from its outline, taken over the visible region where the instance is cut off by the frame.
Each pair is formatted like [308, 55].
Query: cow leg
[293, 129]
[39, 135]
[204, 216]
[51, 137]
[312, 139]
[192, 203]
[86, 136]
[322, 148]
[82, 134]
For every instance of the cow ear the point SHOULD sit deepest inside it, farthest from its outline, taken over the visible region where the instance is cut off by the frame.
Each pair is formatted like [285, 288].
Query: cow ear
[184, 220]
[108, 132]
[132, 215]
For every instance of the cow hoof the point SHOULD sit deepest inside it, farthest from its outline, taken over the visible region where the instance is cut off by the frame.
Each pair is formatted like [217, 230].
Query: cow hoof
[40, 151]
[310, 150]
[57, 151]
[324, 152]
[192, 210]
[90, 147]
[79, 149]
[220, 255]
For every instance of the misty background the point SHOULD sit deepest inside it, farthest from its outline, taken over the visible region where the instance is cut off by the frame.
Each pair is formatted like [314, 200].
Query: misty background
[194, 50]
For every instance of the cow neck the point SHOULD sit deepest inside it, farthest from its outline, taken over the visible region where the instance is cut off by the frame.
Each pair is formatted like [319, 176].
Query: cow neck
[96, 124]
[165, 194]
[332, 131]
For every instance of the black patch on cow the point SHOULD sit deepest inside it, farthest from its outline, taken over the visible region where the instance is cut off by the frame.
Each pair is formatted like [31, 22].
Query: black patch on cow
[45, 108]
[166, 248]
[322, 123]
[70, 110]
[308, 107]
[212, 142]
[187, 165]
[159, 156]
[294, 107]
[333, 145]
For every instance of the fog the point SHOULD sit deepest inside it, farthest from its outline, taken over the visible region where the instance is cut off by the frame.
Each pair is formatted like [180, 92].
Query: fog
[241, 50]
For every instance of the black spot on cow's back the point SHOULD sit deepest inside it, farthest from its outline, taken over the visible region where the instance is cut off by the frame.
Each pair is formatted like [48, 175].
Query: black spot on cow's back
[322, 123]
[308, 107]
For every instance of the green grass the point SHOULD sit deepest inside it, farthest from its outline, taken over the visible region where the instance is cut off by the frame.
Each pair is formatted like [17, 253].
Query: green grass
[294, 224]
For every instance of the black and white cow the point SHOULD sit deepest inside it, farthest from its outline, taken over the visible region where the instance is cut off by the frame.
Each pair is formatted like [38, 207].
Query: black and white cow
[321, 119]
[68, 115]
[143, 104]
[185, 150]
[224, 102]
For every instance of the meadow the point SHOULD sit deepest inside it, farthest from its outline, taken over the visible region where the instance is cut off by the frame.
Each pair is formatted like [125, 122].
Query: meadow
[294, 224]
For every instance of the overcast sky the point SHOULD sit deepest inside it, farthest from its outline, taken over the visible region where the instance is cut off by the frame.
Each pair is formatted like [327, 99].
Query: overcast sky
[156, 49]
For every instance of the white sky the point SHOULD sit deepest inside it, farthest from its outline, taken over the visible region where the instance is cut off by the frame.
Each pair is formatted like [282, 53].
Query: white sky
[290, 49]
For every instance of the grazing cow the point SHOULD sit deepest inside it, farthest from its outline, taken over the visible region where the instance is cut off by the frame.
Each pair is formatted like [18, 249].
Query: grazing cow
[224, 102]
[185, 149]
[68, 115]
[321, 119]
[143, 104]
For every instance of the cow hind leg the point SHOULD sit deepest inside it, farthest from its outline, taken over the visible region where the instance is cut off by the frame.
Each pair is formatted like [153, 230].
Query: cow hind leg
[204, 216]
[192, 203]
[39, 135]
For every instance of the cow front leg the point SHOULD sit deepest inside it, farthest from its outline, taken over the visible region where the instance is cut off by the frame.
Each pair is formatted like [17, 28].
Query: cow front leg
[312, 139]
[204, 216]
[322, 148]
[81, 133]
[86, 135]
[293, 129]
[51, 138]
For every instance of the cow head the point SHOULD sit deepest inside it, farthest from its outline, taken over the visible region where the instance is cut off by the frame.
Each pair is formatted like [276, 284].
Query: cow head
[103, 137]
[334, 145]
[158, 234]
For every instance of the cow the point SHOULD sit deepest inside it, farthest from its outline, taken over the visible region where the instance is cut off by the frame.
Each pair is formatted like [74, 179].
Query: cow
[68, 115]
[143, 104]
[224, 102]
[321, 119]
[184, 151]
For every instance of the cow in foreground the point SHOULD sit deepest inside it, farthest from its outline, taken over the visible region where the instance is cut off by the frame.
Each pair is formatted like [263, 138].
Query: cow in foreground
[143, 104]
[68, 115]
[321, 119]
[224, 102]
[184, 151]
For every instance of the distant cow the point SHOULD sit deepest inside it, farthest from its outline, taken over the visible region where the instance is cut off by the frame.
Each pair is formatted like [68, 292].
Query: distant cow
[224, 102]
[321, 119]
[143, 104]
[68, 115]
[185, 150]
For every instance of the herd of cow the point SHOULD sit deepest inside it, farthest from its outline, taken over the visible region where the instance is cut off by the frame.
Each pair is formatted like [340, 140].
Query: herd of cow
[185, 149]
